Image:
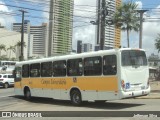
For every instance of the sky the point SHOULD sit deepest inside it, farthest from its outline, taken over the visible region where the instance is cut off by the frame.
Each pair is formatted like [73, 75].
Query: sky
[84, 12]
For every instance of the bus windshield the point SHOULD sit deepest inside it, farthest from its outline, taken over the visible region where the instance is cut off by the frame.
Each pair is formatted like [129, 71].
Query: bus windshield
[134, 58]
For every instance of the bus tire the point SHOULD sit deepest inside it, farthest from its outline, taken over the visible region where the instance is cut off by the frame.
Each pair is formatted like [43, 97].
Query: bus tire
[6, 85]
[27, 94]
[76, 98]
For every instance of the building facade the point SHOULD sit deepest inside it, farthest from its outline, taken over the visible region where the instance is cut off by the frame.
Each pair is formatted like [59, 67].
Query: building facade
[86, 47]
[83, 47]
[79, 46]
[112, 34]
[11, 39]
[60, 27]
[37, 37]
[38, 44]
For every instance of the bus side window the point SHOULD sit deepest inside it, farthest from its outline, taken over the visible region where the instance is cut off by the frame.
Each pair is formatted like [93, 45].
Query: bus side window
[109, 65]
[93, 66]
[74, 67]
[46, 69]
[35, 70]
[59, 68]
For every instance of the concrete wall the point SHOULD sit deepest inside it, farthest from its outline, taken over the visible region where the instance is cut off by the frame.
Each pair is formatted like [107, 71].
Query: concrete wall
[10, 38]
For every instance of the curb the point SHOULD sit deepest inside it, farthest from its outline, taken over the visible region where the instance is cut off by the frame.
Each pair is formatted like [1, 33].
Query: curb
[150, 96]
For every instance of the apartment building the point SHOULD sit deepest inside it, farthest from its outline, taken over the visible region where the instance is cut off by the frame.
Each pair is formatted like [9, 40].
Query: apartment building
[37, 38]
[60, 27]
[112, 34]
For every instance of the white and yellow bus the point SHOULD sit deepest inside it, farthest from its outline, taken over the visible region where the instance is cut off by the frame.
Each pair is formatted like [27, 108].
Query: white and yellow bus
[94, 76]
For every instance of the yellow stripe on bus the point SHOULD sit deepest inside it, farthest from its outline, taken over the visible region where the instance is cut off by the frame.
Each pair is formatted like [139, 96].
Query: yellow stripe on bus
[83, 83]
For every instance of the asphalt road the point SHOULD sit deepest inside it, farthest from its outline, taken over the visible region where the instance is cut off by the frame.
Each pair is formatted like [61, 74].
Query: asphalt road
[10, 102]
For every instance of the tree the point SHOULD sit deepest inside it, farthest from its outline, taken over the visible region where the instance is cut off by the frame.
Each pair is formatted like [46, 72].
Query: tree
[2, 47]
[157, 42]
[18, 50]
[4, 57]
[11, 49]
[126, 18]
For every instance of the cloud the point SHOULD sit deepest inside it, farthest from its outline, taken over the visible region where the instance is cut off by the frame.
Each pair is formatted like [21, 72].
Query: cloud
[139, 3]
[6, 20]
[150, 30]
[149, 33]
[84, 12]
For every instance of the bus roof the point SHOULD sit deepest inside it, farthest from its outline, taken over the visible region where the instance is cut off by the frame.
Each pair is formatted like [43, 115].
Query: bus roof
[74, 56]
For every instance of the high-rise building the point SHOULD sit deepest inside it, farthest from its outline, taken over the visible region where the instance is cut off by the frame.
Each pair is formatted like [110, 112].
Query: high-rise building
[38, 44]
[17, 26]
[118, 30]
[86, 47]
[37, 37]
[60, 27]
[79, 46]
[112, 34]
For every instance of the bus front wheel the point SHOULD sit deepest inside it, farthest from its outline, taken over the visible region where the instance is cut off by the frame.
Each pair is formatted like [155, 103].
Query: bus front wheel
[27, 94]
[76, 97]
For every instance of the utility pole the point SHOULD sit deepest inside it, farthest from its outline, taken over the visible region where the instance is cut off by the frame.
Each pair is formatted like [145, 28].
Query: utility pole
[103, 16]
[101, 22]
[98, 20]
[141, 26]
[21, 57]
[50, 37]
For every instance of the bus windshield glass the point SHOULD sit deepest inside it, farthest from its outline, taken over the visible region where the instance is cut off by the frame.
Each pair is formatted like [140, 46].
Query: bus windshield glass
[134, 58]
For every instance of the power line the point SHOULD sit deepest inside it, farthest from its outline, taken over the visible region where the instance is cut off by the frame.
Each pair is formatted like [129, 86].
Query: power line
[25, 8]
[85, 6]
[85, 10]
[43, 11]
[82, 25]
[152, 18]
[44, 4]
[16, 14]
[29, 3]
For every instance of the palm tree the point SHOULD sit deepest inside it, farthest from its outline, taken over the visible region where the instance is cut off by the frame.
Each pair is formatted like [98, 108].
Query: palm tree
[2, 47]
[11, 49]
[126, 18]
[157, 42]
[18, 45]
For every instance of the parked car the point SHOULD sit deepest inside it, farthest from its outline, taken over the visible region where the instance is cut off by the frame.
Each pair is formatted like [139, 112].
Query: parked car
[6, 80]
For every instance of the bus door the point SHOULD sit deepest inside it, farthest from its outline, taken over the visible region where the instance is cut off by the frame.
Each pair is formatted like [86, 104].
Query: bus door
[18, 77]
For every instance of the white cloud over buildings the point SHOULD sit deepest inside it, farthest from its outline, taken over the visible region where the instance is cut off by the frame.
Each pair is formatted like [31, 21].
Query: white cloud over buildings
[6, 20]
